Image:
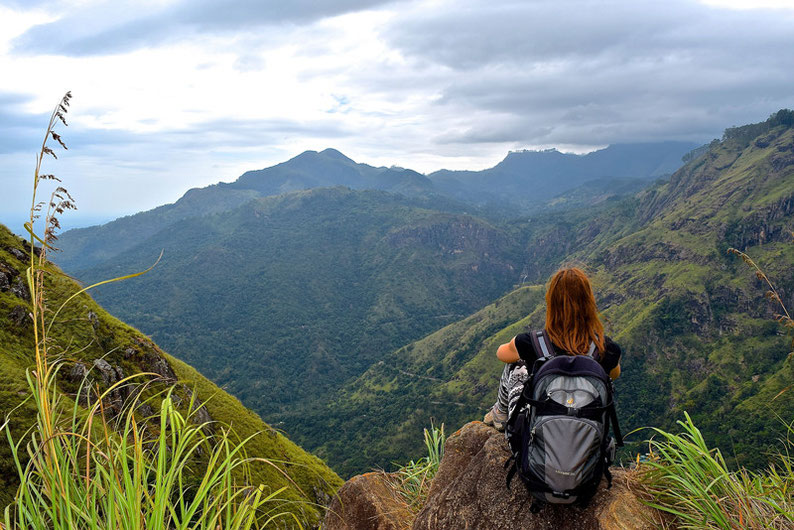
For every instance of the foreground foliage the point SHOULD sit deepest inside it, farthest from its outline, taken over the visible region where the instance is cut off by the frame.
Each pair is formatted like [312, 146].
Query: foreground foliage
[414, 478]
[122, 474]
[686, 479]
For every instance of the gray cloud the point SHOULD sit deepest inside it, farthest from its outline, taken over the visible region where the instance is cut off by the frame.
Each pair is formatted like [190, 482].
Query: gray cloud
[19, 131]
[123, 28]
[22, 132]
[586, 72]
[235, 134]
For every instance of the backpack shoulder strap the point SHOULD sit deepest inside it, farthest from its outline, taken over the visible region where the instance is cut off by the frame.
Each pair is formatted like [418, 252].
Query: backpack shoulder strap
[543, 346]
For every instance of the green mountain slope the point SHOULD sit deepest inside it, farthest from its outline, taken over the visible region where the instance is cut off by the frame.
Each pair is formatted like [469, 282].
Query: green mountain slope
[110, 349]
[281, 300]
[84, 248]
[697, 333]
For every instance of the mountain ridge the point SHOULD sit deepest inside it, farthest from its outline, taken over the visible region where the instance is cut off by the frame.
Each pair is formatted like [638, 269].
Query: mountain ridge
[527, 178]
[86, 247]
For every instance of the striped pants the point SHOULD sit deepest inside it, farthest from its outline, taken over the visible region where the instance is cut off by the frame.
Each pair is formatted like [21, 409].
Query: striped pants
[510, 386]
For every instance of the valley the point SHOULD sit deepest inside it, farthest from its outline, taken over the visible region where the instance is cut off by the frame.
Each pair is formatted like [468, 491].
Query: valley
[352, 317]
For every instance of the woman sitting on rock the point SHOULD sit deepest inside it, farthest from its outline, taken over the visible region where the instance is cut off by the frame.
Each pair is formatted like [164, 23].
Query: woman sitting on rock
[573, 327]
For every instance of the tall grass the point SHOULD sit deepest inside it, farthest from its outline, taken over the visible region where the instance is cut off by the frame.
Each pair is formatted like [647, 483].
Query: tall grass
[783, 316]
[686, 479]
[90, 468]
[97, 472]
[414, 478]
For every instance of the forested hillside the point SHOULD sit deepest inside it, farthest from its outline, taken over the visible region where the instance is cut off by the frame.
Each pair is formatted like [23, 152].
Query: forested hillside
[281, 300]
[99, 346]
[697, 332]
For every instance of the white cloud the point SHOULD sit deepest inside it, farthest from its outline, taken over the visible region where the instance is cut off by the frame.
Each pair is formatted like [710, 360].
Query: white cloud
[171, 95]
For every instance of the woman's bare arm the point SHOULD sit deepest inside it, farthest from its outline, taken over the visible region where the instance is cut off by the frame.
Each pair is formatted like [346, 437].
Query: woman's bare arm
[507, 353]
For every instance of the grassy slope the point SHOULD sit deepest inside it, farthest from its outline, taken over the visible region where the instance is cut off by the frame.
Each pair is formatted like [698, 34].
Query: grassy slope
[697, 333]
[108, 338]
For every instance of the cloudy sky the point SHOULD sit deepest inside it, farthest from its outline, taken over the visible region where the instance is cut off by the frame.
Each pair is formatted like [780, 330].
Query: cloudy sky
[174, 94]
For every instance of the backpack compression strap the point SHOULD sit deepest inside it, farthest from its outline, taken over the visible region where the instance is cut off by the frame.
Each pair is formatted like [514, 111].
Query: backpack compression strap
[544, 351]
[543, 346]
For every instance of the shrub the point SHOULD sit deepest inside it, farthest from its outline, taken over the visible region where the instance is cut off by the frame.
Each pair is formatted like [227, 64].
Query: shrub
[415, 477]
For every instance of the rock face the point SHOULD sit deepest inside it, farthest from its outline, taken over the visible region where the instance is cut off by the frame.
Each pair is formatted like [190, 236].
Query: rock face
[367, 502]
[19, 316]
[469, 492]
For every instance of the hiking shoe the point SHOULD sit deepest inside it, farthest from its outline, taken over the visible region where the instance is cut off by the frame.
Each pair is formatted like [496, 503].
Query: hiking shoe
[496, 418]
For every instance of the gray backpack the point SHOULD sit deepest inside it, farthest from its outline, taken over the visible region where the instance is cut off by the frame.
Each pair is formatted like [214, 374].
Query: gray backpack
[559, 429]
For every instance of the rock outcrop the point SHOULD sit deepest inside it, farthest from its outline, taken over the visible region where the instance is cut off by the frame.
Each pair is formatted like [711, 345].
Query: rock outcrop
[368, 502]
[469, 492]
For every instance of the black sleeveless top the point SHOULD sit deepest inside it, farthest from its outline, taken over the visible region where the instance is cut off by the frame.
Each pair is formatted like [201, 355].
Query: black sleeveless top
[609, 358]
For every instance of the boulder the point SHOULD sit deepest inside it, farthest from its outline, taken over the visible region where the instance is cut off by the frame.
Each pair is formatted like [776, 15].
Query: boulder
[19, 289]
[150, 360]
[115, 399]
[145, 410]
[106, 371]
[77, 373]
[18, 254]
[199, 413]
[367, 502]
[19, 316]
[469, 492]
[94, 319]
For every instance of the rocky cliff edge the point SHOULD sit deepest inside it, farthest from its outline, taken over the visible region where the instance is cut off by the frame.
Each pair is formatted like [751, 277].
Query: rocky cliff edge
[469, 492]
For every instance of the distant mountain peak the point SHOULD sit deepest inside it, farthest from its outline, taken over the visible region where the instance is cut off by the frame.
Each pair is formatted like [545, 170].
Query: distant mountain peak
[324, 155]
[333, 153]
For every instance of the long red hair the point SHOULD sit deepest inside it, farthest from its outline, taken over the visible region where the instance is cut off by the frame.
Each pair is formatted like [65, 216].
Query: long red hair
[572, 320]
